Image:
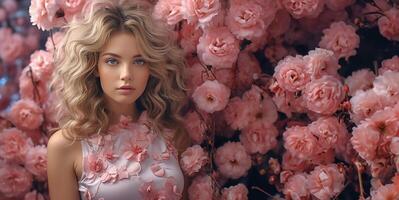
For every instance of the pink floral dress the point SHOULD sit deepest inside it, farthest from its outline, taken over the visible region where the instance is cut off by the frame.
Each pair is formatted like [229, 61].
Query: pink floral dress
[130, 162]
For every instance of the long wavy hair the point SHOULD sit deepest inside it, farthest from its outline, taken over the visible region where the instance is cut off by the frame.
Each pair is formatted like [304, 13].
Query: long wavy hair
[75, 83]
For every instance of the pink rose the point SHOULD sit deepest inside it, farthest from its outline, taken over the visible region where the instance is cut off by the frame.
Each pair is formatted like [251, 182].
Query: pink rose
[295, 188]
[194, 75]
[327, 131]
[291, 73]
[248, 69]
[365, 141]
[195, 127]
[169, 11]
[42, 64]
[14, 180]
[201, 11]
[14, 145]
[320, 62]
[337, 5]
[276, 52]
[12, 48]
[201, 188]
[26, 115]
[237, 113]
[45, 14]
[27, 90]
[237, 192]
[211, 96]
[300, 142]
[325, 182]
[33, 195]
[341, 39]
[262, 106]
[389, 64]
[324, 95]
[387, 85]
[385, 192]
[36, 162]
[294, 163]
[259, 137]
[303, 8]
[246, 20]
[232, 160]
[366, 103]
[389, 24]
[56, 38]
[189, 37]
[225, 76]
[193, 159]
[218, 47]
[360, 80]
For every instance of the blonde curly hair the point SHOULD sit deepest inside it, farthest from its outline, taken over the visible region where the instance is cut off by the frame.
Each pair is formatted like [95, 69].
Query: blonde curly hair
[74, 81]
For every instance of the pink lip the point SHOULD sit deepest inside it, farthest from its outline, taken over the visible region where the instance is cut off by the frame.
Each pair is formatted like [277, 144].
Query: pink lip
[126, 87]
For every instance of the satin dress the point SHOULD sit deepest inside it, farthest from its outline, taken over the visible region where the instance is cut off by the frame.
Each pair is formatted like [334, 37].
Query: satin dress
[131, 162]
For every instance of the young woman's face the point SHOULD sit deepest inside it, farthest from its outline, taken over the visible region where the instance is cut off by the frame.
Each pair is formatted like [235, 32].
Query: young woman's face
[122, 70]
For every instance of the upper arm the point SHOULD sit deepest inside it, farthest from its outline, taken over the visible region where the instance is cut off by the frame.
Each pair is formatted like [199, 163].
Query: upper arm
[62, 181]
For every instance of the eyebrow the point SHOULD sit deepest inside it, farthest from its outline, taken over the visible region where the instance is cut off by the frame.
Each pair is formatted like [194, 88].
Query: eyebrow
[116, 55]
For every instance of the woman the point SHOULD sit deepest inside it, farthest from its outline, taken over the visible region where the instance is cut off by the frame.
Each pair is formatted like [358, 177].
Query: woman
[119, 79]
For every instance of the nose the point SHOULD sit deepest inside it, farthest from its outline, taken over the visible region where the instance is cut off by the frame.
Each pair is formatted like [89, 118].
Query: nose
[126, 72]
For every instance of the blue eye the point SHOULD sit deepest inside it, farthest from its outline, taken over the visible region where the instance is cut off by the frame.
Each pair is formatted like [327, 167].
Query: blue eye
[139, 61]
[111, 61]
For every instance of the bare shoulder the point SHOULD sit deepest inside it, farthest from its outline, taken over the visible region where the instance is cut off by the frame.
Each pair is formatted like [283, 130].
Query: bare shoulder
[59, 143]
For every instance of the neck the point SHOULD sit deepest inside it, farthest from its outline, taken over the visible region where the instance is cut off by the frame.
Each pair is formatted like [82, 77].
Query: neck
[118, 110]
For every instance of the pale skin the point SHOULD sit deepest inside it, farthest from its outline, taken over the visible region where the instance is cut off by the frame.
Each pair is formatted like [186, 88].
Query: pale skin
[120, 64]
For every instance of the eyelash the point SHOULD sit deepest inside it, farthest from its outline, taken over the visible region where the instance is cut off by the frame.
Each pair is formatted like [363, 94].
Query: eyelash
[142, 61]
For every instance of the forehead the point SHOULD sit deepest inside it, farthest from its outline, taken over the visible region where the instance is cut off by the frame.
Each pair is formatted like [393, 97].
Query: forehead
[122, 44]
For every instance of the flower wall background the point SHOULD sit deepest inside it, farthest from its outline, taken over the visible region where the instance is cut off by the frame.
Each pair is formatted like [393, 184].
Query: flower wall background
[288, 99]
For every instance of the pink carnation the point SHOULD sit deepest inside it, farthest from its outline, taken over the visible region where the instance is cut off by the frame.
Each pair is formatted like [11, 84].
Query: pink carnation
[303, 8]
[225, 76]
[237, 192]
[246, 20]
[325, 182]
[72, 8]
[44, 14]
[366, 103]
[324, 95]
[295, 188]
[201, 11]
[321, 62]
[341, 39]
[14, 145]
[248, 69]
[218, 47]
[193, 159]
[27, 88]
[232, 160]
[365, 141]
[36, 162]
[26, 115]
[195, 74]
[337, 5]
[281, 23]
[389, 64]
[211, 96]
[259, 137]
[291, 73]
[10, 5]
[261, 104]
[12, 48]
[195, 126]
[15, 181]
[389, 24]
[300, 142]
[42, 64]
[360, 80]
[169, 11]
[201, 188]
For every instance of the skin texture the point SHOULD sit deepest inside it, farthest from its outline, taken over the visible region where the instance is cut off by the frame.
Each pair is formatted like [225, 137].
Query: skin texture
[119, 64]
